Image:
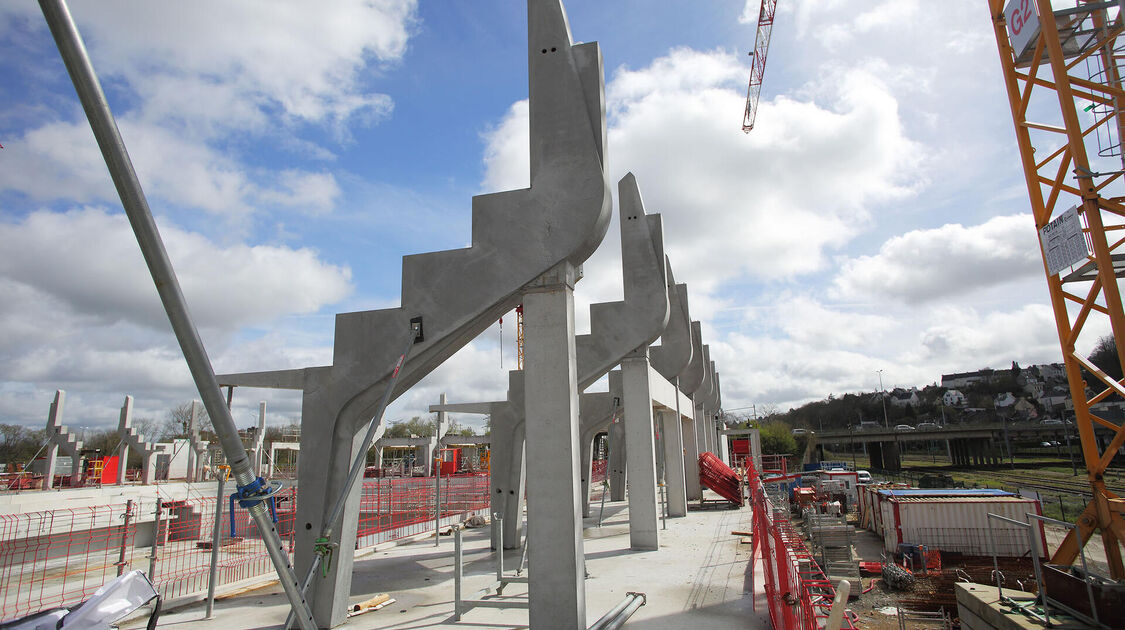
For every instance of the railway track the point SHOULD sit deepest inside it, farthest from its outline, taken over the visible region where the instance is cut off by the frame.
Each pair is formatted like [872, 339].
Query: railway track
[1040, 482]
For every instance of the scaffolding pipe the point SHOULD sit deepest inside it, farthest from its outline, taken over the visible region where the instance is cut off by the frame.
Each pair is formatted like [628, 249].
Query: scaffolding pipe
[620, 614]
[86, 84]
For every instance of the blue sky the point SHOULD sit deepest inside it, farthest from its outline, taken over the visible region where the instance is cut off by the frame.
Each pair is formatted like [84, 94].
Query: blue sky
[294, 152]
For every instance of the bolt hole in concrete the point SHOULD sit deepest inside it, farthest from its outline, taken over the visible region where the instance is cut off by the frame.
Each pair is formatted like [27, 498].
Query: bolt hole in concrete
[544, 51]
[308, 525]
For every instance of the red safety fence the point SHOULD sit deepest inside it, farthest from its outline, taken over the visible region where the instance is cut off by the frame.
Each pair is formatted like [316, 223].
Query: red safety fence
[391, 508]
[798, 594]
[60, 557]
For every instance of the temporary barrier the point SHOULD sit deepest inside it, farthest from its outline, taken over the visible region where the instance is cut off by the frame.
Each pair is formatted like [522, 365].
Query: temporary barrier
[60, 557]
[798, 594]
[717, 476]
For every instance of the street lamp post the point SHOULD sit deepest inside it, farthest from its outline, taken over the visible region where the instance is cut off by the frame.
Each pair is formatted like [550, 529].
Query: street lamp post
[883, 399]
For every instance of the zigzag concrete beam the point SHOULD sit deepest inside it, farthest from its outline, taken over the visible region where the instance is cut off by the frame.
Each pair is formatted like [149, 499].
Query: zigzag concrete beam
[59, 437]
[618, 328]
[131, 440]
[673, 355]
[517, 236]
[693, 376]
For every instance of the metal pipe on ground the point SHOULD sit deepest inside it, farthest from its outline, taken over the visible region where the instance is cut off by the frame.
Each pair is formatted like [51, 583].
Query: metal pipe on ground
[89, 89]
[621, 612]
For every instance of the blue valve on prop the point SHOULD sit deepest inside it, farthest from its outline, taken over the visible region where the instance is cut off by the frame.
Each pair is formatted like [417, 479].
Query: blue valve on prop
[252, 494]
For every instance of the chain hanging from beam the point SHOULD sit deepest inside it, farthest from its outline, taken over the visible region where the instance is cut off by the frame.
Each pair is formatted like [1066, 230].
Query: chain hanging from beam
[1063, 83]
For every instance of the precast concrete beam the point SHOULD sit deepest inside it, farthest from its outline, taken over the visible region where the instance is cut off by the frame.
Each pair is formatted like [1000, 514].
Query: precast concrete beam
[617, 328]
[517, 237]
[673, 354]
[198, 448]
[130, 439]
[690, 381]
[256, 446]
[58, 437]
[701, 396]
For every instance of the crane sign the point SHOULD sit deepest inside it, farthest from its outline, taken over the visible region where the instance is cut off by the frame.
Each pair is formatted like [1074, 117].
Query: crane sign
[758, 62]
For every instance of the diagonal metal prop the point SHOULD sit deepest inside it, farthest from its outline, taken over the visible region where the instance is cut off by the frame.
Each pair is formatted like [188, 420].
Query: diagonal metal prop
[74, 55]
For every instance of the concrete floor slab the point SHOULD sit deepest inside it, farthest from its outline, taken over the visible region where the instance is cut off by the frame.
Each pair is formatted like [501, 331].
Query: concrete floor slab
[697, 579]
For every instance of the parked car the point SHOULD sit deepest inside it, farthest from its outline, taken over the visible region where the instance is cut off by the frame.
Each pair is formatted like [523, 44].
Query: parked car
[1045, 444]
[862, 476]
[800, 431]
[903, 427]
[928, 426]
[1052, 422]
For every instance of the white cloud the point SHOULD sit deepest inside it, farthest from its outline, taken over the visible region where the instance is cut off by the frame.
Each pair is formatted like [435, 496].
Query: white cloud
[932, 265]
[89, 262]
[674, 125]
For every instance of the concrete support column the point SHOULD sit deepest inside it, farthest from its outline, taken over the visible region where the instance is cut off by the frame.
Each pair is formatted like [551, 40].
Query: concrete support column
[586, 471]
[691, 461]
[557, 590]
[875, 455]
[644, 514]
[508, 478]
[674, 478]
[616, 468]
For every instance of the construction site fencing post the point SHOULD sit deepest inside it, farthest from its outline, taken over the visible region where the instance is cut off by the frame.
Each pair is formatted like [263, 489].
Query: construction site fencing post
[155, 542]
[216, 543]
[127, 516]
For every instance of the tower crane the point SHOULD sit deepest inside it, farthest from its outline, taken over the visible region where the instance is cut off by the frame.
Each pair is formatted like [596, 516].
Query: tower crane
[1064, 72]
[758, 63]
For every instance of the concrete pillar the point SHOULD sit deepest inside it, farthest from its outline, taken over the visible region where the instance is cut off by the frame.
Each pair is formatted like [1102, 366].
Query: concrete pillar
[197, 456]
[507, 459]
[255, 450]
[875, 454]
[691, 461]
[644, 515]
[674, 478]
[616, 467]
[557, 594]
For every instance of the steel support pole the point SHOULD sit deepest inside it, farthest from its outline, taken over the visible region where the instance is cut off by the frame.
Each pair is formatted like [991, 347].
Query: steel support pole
[86, 84]
[155, 543]
[124, 537]
[216, 533]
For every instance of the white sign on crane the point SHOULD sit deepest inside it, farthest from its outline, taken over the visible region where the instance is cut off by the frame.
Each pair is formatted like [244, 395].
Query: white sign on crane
[1063, 242]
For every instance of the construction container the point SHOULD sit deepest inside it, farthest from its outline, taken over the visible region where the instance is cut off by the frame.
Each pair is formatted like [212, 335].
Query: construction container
[959, 523]
[877, 494]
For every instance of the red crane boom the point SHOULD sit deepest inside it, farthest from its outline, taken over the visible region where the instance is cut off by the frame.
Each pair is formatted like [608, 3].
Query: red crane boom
[758, 62]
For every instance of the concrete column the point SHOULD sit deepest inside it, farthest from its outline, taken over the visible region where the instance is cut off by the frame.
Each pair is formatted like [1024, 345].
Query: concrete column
[508, 476]
[644, 514]
[124, 420]
[557, 594]
[674, 479]
[691, 461]
[616, 467]
[875, 454]
[259, 439]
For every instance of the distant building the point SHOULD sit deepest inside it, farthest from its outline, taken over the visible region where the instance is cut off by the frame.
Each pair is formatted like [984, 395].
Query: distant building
[964, 379]
[1005, 400]
[1050, 371]
[903, 397]
[953, 398]
[1025, 409]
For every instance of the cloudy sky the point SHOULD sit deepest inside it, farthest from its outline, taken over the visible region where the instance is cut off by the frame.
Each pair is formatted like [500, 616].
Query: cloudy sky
[875, 218]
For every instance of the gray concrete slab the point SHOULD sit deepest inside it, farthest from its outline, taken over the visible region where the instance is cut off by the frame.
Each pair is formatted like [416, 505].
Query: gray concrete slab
[697, 579]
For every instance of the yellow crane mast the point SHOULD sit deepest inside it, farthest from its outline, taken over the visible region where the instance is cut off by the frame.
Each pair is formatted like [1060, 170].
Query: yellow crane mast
[1063, 84]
